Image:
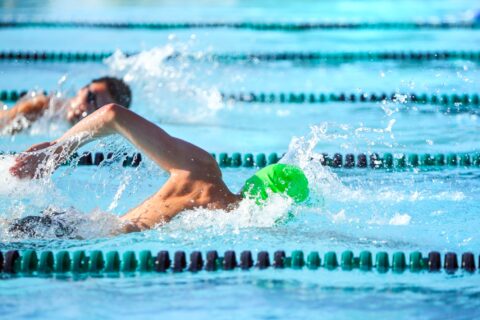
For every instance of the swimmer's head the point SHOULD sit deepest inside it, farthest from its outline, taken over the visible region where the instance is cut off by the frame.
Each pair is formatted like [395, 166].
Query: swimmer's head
[280, 178]
[96, 94]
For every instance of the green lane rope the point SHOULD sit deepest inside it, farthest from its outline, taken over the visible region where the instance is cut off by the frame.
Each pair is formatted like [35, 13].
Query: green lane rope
[249, 160]
[30, 263]
[56, 56]
[457, 100]
[362, 160]
[465, 100]
[267, 26]
[332, 57]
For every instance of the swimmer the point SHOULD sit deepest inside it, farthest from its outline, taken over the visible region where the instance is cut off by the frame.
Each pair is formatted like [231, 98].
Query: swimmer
[195, 179]
[97, 93]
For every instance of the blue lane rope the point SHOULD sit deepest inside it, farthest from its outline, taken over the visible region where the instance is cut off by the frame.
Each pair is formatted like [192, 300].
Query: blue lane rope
[30, 263]
[332, 57]
[259, 26]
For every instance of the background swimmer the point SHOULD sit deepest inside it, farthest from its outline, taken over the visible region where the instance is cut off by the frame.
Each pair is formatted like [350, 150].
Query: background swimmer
[97, 93]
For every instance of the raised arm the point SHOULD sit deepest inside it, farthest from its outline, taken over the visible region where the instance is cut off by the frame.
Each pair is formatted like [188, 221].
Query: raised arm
[168, 152]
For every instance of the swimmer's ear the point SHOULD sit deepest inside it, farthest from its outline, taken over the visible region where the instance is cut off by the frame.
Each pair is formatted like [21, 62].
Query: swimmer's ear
[39, 146]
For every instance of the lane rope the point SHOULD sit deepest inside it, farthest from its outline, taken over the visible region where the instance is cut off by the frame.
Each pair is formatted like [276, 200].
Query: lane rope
[30, 263]
[457, 100]
[259, 26]
[348, 161]
[332, 57]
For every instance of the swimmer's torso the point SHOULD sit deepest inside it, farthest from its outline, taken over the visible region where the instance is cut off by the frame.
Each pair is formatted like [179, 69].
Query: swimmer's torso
[181, 192]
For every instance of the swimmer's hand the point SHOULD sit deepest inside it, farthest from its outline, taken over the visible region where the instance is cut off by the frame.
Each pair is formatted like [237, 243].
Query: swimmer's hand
[37, 161]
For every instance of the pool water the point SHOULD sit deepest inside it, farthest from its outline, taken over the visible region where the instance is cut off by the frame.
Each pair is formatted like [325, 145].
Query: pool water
[356, 209]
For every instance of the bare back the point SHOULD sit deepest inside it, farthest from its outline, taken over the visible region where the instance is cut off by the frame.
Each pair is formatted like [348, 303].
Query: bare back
[182, 191]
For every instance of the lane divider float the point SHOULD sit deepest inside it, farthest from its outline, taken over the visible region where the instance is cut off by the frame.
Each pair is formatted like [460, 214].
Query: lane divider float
[349, 161]
[260, 26]
[458, 100]
[96, 262]
[453, 100]
[333, 57]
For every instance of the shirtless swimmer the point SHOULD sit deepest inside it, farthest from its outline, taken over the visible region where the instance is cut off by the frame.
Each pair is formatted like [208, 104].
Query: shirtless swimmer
[195, 179]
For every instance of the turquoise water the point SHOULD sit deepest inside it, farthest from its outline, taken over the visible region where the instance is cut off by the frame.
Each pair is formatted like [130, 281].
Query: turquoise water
[358, 209]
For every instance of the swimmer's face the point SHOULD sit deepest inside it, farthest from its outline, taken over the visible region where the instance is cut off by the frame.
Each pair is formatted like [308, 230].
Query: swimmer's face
[87, 100]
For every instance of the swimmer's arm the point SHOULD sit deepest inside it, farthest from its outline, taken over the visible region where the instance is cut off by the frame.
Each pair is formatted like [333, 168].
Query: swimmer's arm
[31, 109]
[97, 125]
[170, 153]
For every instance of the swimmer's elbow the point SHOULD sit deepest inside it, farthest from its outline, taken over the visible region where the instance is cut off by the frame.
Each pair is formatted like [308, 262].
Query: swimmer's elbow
[110, 114]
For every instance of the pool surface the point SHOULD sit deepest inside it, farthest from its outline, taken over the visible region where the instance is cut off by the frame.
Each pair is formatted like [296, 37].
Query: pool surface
[412, 209]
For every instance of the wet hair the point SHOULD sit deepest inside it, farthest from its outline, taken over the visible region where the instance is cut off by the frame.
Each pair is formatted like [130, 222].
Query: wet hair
[118, 89]
[37, 226]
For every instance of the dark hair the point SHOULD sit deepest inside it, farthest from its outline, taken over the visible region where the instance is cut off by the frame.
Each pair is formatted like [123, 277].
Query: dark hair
[118, 89]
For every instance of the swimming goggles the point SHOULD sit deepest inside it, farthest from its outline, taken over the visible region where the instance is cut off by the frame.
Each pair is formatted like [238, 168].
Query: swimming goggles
[92, 98]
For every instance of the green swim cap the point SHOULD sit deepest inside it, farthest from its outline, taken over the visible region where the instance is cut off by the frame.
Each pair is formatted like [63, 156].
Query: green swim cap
[277, 178]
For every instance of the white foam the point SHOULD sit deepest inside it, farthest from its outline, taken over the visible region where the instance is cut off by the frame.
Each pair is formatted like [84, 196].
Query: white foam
[248, 214]
[339, 216]
[400, 219]
[12, 186]
[96, 224]
[171, 90]
[301, 152]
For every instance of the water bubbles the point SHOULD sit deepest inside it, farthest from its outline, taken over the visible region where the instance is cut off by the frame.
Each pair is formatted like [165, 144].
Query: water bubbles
[389, 127]
[62, 80]
[401, 98]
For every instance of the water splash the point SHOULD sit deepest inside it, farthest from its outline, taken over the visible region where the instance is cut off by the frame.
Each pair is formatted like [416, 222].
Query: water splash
[376, 197]
[35, 191]
[247, 215]
[278, 209]
[302, 153]
[31, 197]
[123, 186]
[173, 91]
[52, 122]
